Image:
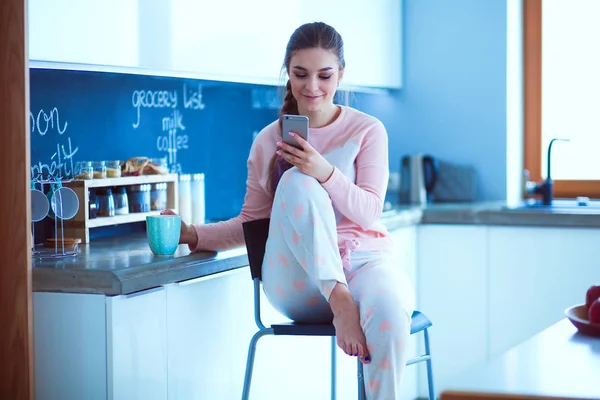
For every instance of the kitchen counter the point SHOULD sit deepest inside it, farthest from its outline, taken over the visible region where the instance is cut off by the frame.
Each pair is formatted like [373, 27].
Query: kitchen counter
[124, 265]
[559, 362]
[498, 213]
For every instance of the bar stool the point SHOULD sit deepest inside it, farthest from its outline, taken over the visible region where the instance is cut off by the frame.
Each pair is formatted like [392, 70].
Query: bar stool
[255, 235]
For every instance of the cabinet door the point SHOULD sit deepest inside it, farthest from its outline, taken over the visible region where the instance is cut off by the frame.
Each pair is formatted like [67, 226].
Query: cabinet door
[87, 32]
[452, 292]
[210, 323]
[535, 274]
[137, 346]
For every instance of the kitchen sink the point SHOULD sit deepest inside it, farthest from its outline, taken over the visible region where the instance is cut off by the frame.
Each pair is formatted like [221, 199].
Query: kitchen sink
[562, 206]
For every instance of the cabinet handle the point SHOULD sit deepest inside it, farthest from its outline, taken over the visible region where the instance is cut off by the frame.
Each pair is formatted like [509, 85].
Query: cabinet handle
[143, 292]
[211, 276]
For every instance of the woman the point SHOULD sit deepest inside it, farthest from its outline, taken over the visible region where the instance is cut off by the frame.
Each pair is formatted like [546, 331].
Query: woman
[327, 257]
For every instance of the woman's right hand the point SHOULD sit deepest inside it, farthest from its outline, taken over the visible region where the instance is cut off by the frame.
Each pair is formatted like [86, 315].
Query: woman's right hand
[188, 234]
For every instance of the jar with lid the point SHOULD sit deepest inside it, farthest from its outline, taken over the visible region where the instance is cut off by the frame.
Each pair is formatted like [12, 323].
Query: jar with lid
[161, 164]
[197, 193]
[121, 201]
[158, 196]
[105, 203]
[92, 211]
[185, 197]
[84, 170]
[139, 198]
[113, 169]
[99, 169]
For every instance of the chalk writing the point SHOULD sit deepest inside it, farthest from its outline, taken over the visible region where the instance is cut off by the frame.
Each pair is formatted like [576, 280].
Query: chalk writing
[152, 99]
[193, 98]
[60, 165]
[42, 122]
[173, 141]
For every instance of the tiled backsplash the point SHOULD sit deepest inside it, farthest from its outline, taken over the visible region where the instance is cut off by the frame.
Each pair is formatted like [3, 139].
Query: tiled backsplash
[200, 126]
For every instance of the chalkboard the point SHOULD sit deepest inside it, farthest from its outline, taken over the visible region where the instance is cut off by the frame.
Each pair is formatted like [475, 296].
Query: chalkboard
[200, 126]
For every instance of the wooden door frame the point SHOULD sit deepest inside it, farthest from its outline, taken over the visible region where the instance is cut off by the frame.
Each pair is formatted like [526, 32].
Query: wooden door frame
[16, 344]
[532, 92]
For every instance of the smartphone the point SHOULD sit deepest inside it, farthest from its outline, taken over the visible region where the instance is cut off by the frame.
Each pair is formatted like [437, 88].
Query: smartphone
[294, 123]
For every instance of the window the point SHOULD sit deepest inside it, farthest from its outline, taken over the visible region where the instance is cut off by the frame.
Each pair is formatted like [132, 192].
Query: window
[562, 93]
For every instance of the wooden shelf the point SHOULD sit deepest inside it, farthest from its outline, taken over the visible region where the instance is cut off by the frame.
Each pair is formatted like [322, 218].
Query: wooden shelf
[123, 181]
[119, 219]
[80, 225]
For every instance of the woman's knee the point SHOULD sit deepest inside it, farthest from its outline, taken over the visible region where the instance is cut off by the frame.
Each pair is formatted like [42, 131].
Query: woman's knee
[295, 185]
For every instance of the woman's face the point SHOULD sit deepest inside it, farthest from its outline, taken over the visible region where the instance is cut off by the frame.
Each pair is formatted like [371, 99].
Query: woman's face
[314, 76]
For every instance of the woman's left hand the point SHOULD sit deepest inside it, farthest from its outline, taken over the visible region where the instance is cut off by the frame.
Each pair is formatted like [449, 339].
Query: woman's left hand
[306, 159]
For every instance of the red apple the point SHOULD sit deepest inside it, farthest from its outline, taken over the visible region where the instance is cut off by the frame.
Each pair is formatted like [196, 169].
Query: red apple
[591, 295]
[594, 312]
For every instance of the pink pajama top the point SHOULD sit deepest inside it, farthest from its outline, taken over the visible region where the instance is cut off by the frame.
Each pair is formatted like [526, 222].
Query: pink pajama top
[356, 144]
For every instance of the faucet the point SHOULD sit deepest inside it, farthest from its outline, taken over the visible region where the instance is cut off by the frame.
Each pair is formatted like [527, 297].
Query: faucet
[543, 188]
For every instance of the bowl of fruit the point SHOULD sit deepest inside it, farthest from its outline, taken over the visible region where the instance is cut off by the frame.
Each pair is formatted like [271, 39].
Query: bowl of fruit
[586, 317]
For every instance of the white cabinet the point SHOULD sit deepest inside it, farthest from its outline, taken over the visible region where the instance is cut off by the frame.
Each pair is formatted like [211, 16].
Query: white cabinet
[229, 40]
[89, 346]
[69, 346]
[535, 274]
[136, 346]
[452, 292]
[210, 323]
[87, 32]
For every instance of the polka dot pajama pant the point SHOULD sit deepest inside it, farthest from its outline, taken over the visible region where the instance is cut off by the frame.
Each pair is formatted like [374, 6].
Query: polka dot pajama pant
[303, 263]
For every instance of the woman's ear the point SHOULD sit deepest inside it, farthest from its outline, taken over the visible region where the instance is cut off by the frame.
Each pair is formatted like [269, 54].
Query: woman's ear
[340, 76]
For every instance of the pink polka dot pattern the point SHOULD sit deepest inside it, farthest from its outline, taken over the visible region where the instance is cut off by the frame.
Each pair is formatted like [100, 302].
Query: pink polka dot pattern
[385, 326]
[374, 385]
[280, 290]
[299, 284]
[308, 183]
[297, 238]
[303, 264]
[270, 262]
[282, 259]
[386, 364]
[298, 211]
[319, 260]
[283, 205]
[369, 312]
[313, 301]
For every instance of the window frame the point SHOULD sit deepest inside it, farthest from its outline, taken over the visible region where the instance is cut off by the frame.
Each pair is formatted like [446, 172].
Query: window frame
[532, 112]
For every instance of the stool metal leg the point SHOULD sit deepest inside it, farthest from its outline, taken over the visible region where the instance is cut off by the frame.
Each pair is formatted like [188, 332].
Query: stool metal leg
[333, 367]
[361, 382]
[429, 366]
[250, 361]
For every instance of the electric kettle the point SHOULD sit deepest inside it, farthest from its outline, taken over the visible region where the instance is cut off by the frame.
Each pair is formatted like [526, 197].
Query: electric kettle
[418, 175]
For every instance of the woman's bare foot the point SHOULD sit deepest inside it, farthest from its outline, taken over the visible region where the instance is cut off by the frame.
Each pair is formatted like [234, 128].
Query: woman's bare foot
[346, 319]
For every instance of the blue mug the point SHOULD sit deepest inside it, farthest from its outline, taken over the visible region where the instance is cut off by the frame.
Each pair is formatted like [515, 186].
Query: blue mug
[163, 233]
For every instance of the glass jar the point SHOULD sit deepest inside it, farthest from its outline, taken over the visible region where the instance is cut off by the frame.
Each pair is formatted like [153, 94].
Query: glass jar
[84, 170]
[158, 196]
[113, 169]
[139, 198]
[92, 204]
[99, 169]
[105, 203]
[185, 197]
[121, 201]
[161, 164]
